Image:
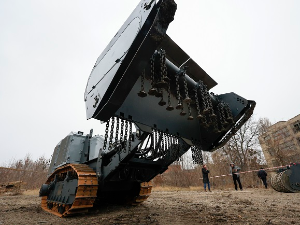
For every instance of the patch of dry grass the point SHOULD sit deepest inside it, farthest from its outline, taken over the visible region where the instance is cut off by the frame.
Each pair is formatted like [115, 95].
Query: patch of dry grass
[171, 188]
[31, 192]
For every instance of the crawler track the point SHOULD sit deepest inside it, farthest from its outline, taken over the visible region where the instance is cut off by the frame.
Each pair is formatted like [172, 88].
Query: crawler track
[145, 192]
[85, 195]
[86, 192]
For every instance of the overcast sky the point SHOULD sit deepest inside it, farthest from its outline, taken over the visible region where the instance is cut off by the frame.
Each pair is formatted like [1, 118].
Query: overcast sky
[48, 49]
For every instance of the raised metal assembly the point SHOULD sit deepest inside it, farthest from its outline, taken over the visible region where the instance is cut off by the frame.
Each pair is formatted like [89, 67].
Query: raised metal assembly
[287, 179]
[156, 103]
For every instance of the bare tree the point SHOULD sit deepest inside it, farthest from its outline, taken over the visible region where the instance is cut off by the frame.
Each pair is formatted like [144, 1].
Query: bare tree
[278, 153]
[243, 147]
[263, 125]
[32, 173]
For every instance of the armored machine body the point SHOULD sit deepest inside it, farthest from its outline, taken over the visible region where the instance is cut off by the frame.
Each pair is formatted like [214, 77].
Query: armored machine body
[156, 104]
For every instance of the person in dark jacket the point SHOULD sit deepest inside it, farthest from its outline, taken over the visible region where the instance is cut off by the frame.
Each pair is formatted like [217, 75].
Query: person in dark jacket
[235, 171]
[205, 173]
[262, 174]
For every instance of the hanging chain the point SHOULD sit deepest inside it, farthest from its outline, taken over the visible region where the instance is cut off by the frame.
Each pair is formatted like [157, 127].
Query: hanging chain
[125, 135]
[153, 142]
[207, 104]
[212, 116]
[162, 81]
[111, 133]
[156, 143]
[175, 148]
[121, 133]
[170, 107]
[171, 148]
[222, 114]
[142, 92]
[117, 131]
[106, 135]
[169, 97]
[163, 138]
[169, 142]
[193, 154]
[164, 66]
[207, 98]
[162, 149]
[159, 147]
[152, 69]
[152, 91]
[152, 145]
[204, 94]
[199, 116]
[164, 143]
[179, 103]
[178, 151]
[143, 80]
[200, 156]
[204, 103]
[130, 136]
[229, 117]
[186, 91]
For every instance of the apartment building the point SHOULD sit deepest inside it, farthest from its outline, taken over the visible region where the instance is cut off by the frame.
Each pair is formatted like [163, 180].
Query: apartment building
[281, 142]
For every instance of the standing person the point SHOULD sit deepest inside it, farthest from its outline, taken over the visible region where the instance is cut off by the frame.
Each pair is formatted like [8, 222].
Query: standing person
[262, 174]
[235, 171]
[205, 173]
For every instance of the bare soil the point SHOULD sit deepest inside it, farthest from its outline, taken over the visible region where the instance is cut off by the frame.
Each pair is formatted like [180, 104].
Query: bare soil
[250, 206]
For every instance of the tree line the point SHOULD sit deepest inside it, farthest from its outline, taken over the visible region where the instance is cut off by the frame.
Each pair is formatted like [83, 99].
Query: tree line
[243, 149]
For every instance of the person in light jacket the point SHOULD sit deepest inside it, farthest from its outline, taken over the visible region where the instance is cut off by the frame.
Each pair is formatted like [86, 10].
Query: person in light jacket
[235, 171]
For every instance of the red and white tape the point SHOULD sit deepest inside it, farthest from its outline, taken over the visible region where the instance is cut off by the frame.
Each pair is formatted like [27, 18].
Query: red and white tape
[250, 171]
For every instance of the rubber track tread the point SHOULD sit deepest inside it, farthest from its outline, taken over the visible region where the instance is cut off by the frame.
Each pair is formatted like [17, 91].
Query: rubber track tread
[86, 190]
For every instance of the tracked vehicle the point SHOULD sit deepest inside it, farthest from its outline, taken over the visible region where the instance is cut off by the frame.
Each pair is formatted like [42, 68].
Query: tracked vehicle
[156, 103]
[287, 179]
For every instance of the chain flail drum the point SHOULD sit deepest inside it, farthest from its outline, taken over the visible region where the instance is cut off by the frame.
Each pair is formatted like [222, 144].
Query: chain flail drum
[287, 179]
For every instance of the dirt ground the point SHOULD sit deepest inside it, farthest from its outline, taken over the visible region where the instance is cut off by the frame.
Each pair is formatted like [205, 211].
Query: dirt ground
[250, 206]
